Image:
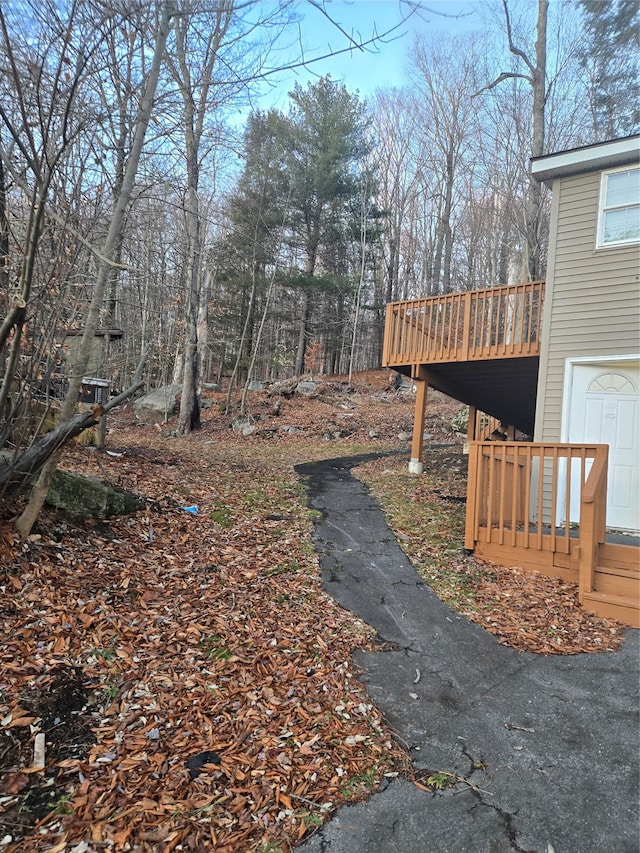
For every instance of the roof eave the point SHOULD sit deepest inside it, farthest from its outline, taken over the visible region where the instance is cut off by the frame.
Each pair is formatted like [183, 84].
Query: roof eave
[590, 158]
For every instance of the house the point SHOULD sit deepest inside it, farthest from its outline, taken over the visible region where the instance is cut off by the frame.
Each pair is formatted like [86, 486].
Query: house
[560, 362]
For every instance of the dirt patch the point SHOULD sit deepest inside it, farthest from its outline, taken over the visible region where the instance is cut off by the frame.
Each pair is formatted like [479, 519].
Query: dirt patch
[56, 705]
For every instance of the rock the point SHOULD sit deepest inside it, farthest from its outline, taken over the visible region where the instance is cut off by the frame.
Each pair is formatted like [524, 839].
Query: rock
[267, 432]
[373, 433]
[460, 421]
[243, 424]
[289, 429]
[256, 385]
[158, 406]
[401, 383]
[306, 387]
[239, 422]
[197, 763]
[211, 386]
[286, 388]
[80, 497]
[404, 436]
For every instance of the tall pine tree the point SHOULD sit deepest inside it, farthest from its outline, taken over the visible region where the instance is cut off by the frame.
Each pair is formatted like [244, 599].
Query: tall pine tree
[610, 59]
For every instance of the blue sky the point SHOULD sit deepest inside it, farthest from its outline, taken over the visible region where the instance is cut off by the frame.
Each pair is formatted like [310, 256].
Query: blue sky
[380, 65]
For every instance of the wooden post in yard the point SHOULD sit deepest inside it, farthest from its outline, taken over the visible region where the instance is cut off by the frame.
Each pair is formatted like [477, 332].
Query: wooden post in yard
[416, 466]
[472, 424]
[472, 497]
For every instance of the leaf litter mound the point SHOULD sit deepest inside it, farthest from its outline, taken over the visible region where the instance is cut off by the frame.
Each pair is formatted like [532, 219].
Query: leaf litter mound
[192, 681]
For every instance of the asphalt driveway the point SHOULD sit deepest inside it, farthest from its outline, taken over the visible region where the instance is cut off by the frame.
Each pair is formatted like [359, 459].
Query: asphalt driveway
[549, 746]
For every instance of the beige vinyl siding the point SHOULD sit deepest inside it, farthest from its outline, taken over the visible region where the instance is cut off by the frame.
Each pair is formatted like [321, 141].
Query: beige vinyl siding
[592, 300]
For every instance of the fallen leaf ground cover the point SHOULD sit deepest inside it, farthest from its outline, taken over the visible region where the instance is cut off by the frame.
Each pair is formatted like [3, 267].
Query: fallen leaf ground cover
[204, 637]
[192, 680]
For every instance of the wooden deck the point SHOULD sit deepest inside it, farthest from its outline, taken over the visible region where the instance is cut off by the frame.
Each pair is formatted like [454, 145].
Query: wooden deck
[538, 506]
[475, 325]
[543, 507]
[481, 347]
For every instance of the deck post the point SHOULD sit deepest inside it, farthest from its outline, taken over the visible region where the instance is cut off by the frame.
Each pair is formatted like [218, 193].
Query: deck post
[472, 424]
[470, 526]
[416, 466]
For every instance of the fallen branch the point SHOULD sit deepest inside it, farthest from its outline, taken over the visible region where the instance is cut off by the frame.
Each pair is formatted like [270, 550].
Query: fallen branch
[15, 472]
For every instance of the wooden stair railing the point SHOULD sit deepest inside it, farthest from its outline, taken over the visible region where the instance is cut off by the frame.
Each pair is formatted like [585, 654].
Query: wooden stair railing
[543, 507]
[529, 495]
[593, 504]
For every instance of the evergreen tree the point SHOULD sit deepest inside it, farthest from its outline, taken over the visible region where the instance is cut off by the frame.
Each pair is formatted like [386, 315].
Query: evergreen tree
[610, 59]
[325, 166]
[298, 207]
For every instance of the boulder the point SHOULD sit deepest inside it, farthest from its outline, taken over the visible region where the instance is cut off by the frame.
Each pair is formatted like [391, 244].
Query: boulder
[158, 406]
[460, 421]
[80, 497]
[285, 388]
[306, 387]
[243, 424]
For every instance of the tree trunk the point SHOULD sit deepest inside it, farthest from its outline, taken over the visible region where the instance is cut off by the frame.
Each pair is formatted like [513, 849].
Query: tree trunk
[534, 196]
[26, 521]
[195, 109]
[189, 403]
[302, 333]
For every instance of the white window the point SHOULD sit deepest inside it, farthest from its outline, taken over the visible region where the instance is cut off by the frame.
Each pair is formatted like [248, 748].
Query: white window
[619, 220]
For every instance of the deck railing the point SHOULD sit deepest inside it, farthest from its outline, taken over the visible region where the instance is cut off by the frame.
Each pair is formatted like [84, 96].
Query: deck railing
[499, 322]
[593, 510]
[531, 495]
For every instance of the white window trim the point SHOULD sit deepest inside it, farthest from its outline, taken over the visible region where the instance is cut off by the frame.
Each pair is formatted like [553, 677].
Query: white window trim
[600, 244]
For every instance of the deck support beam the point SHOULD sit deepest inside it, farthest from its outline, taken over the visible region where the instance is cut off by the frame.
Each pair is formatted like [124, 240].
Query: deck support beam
[416, 465]
[472, 424]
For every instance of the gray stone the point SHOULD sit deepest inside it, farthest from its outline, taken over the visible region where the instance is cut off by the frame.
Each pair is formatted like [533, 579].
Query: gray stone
[460, 421]
[80, 497]
[307, 387]
[158, 406]
[404, 436]
[242, 423]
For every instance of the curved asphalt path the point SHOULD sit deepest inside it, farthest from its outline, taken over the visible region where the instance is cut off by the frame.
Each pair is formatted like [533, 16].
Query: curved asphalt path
[550, 744]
